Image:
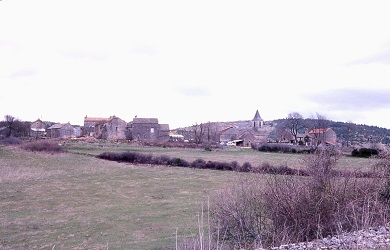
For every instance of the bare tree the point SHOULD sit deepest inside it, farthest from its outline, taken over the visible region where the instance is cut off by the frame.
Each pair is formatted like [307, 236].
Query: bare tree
[211, 132]
[318, 124]
[198, 130]
[294, 123]
[10, 124]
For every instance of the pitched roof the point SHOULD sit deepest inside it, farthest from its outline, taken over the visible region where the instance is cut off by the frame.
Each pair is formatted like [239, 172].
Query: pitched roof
[59, 125]
[257, 116]
[96, 119]
[56, 126]
[145, 120]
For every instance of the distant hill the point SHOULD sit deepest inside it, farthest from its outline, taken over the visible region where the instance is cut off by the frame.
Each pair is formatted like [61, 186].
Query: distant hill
[358, 134]
[355, 134]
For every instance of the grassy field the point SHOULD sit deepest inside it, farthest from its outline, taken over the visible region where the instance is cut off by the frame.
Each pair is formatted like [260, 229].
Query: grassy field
[240, 155]
[76, 201]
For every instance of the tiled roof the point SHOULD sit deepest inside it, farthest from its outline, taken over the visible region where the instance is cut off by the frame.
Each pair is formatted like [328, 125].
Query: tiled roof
[96, 119]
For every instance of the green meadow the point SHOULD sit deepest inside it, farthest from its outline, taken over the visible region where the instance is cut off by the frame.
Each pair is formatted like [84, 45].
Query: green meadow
[74, 200]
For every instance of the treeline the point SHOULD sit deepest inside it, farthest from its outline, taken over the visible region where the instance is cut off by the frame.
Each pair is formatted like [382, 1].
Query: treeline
[347, 132]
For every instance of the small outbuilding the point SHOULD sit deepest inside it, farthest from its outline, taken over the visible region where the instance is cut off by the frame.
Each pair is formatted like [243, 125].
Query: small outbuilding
[61, 130]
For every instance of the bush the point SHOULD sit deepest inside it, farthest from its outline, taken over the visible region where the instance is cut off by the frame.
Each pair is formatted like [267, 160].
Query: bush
[267, 168]
[283, 148]
[238, 214]
[364, 152]
[289, 209]
[198, 163]
[162, 160]
[180, 162]
[383, 169]
[43, 146]
[11, 141]
[246, 167]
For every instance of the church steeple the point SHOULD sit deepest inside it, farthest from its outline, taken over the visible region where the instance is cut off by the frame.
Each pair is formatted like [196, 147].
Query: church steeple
[257, 121]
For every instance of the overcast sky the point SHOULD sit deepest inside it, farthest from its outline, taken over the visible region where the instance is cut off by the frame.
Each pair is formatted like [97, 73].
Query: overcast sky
[187, 62]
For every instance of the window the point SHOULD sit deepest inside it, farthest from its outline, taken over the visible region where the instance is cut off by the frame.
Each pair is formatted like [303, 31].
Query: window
[151, 130]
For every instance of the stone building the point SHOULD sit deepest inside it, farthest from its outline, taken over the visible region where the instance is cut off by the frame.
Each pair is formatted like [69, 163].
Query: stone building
[90, 124]
[38, 129]
[148, 129]
[112, 129]
[257, 121]
[61, 130]
[325, 136]
[245, 133]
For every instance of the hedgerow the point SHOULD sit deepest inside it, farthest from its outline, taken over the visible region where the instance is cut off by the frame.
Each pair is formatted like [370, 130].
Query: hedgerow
[43, 146]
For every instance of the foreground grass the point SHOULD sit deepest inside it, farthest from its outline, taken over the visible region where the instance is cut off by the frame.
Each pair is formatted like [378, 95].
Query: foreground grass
[74, 201]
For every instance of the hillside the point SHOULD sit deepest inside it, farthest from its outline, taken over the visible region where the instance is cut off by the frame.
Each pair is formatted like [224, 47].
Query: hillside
[355, 134]
[358, 134]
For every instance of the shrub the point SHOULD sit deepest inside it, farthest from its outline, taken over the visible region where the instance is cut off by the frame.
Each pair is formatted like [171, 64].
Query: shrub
[322, 204]
[11, 141]
[162, 160]
[43, 146]
[246, 167]
[198, 163]
[131, 157]
[364, 152]
[383, 169]
[180, 162]
[267, 168]
[238, 214]
[290, 209]
[283, 148]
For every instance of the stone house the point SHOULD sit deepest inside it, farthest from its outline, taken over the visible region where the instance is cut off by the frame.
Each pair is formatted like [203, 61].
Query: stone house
[38, 129]
[61, 130]
[325, 136]
[148, 129]
[90, 124]
[164, 132]
[112, 129]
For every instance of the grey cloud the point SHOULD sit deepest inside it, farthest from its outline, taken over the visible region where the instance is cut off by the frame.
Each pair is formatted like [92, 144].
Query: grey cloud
[144, 50]
[8, 44]
[352, 99]
[83, 55]
[193, 91]
[383, 58]
[23, 73]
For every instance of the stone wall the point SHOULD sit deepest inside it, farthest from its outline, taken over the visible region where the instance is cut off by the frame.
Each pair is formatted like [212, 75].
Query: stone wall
[145, 131]
[115, 129]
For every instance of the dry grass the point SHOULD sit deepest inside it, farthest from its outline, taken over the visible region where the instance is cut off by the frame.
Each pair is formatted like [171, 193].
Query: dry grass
[75, 201]
[79, 202]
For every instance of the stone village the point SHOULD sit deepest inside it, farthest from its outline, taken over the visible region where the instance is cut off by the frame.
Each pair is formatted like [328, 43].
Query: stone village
[244, 133]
